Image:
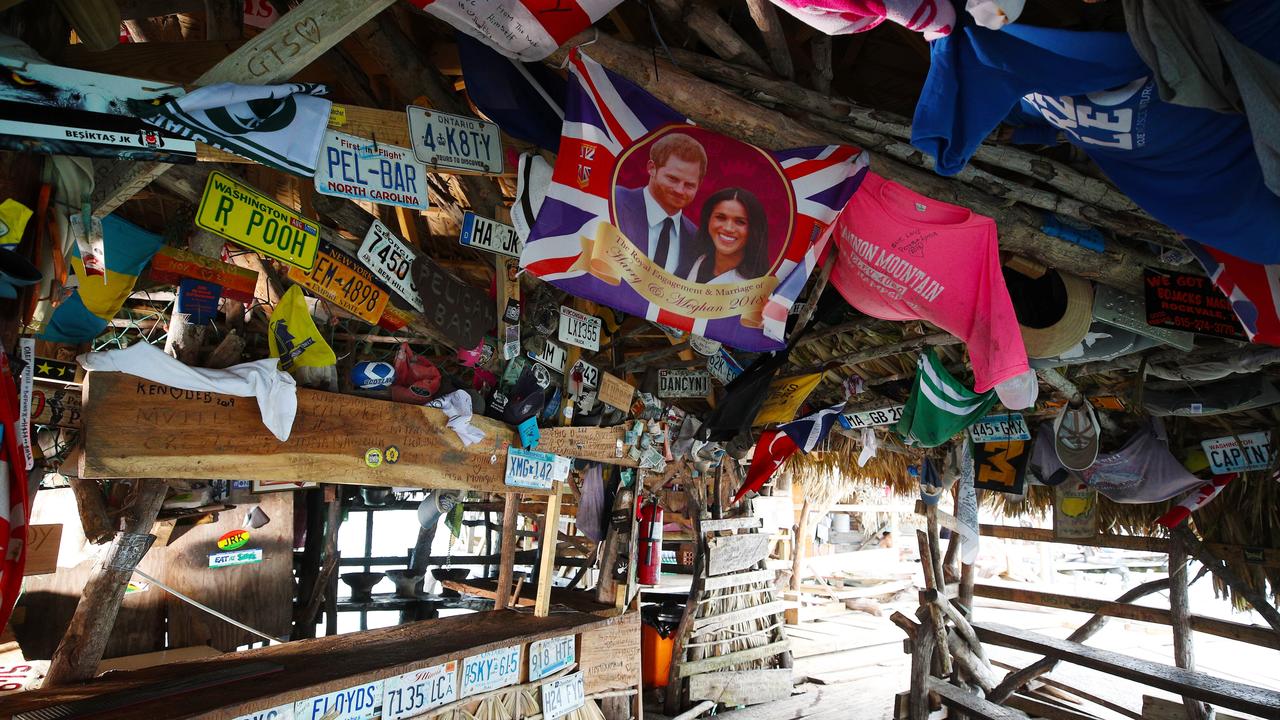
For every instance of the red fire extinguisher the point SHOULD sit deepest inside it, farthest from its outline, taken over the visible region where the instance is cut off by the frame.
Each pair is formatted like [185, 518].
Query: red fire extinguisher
[650, 541]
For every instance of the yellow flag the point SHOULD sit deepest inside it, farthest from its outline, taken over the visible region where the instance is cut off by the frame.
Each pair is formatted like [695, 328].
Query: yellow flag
[293, 335]
[784, 399]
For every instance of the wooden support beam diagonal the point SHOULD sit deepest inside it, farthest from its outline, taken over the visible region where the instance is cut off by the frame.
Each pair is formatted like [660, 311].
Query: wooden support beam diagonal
[277, 53]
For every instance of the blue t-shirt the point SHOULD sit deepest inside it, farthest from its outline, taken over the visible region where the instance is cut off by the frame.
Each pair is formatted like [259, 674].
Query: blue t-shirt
[1193, 169]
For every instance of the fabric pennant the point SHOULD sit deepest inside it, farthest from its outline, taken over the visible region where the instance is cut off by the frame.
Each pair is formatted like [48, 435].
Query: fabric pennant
[810, 430]
[1252, 288]
[280, 126]
[933, 18]
[1197, 499]
[940, 406]
[528, 30]
[772, 450]
[659, 218]
[15, 506]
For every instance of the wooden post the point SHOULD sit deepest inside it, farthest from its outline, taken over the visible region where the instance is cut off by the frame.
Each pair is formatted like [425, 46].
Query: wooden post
[81, 649]
[507, 550]
[1237, 584]
[1183, 638]
[547, 561]
[93, 510]
[800, 543]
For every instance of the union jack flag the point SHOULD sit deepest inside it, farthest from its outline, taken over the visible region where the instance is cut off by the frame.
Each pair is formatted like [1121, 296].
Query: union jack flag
[1252, 288]
[606, 115]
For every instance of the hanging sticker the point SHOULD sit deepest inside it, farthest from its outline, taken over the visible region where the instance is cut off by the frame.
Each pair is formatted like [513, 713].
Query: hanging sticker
[235, 557]
[373, 457]
[529, 433]
[89, 242]
[233, 540]
[512, 313]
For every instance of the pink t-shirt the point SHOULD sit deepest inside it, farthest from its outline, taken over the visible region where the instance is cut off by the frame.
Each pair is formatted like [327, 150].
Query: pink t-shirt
[903, 256]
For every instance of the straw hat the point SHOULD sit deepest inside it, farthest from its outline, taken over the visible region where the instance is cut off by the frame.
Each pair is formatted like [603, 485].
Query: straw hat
[1054, 310]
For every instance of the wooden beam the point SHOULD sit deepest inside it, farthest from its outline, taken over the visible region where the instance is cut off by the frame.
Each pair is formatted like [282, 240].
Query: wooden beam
[718, 662]
[78, 654]
[970, 704]
[701, 17]
[775, 40]
[547, 548]
[1223, 570]
[1252, 634]
[1018, 678]
[1257, 556]
[741, 687]
[1227, 693]
[134, 428]
[293, 42]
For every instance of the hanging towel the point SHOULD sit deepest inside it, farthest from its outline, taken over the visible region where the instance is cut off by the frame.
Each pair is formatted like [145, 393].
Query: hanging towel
[280, 126]
[457, 407]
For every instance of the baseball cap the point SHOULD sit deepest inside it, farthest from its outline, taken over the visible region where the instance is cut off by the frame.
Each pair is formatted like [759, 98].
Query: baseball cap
[1075, 434]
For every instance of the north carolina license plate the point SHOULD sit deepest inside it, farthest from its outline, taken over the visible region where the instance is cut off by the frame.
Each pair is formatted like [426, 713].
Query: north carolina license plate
[338, 278]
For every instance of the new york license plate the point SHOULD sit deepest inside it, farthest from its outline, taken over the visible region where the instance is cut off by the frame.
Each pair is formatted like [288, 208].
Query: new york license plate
[340, 279]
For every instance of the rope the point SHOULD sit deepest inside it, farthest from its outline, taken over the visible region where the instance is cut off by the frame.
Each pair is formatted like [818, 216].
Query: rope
[206, 608]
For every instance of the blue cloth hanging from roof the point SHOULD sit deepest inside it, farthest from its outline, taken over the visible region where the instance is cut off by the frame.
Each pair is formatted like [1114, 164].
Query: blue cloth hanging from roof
[507, 97]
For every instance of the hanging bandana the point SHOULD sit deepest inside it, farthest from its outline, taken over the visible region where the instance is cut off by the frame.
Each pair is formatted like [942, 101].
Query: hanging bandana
[940, 406]
[280, 126]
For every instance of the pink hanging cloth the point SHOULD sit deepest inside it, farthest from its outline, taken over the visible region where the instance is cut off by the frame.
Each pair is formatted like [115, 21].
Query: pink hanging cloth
[934, 18]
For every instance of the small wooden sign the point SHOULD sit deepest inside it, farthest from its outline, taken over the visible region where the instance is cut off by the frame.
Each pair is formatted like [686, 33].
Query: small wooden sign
[1183, 301]
[42, 549]
[55, 404]
[682, 383]
[171, 265]
[462, 312]
[615, 391]
[343, 281]
[579, 328]
[230, 209]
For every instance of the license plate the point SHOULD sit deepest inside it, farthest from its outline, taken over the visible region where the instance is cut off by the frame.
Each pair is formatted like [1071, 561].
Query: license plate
[455, 142]
[590, 373]
[683, 383]
[361, 702]
[338, 278]
[581, 329]
[553, 356]
[549, 656]
[1250, 452]
[360, 169]
[562, 696]
[491, 235]
[873, 418]
[490, 671]
[1000, 428]
[391, 260]
[241, 214]
[413, 693]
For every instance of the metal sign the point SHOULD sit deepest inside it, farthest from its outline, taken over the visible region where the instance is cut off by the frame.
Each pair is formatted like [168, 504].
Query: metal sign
[491, 235]
[551, 355]
[1000, 428]
[415, 692]
[340, 279]
[391, 260]
[530, 469]
[562, 696]
[490, 670]
[1227, 455]
[1183, 301]
[241, 214]
[551, 655]
[872, 418]
[236, 557]
[578, 328]
[680, 383]
[362, 702]
[359, 169]
[455, 142]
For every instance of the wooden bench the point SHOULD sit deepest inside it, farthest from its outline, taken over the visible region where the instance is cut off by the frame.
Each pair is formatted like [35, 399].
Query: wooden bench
[1225, 693]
